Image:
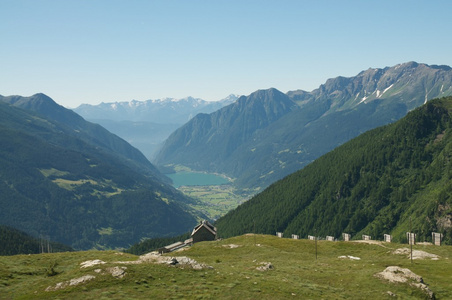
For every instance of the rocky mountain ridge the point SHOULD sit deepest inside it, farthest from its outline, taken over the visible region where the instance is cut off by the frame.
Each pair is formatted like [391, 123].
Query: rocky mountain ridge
[146, 124]
[389, 180]
[163, 111]
[337, 111]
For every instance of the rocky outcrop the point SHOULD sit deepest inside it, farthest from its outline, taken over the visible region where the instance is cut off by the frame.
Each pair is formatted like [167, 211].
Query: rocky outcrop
[90, 263]
[417, 254]
[72, 282]
[402, 275]
[181, 261]
[265, 266]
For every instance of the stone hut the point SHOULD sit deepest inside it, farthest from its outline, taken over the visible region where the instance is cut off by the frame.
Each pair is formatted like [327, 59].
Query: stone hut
[171, 248]
[204, 232]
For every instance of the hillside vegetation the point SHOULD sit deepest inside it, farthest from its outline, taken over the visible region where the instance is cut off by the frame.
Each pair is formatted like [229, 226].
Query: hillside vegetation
[245, 267]
[78, 184]
[15, 242]
[268, 135]
[371, 185]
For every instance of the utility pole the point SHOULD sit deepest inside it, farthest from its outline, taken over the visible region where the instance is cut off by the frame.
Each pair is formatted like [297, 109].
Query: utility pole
[254, 221]
[411, 241]
[315, 239]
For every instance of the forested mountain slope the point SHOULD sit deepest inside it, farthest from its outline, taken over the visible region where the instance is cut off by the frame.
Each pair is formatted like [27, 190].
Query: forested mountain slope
[210, 141]
[74, 125]
[56, 181]
[337, 111]
[370, 185]
[15, 242]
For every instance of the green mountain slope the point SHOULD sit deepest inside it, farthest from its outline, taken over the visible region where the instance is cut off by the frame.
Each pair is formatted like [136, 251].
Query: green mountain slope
[371, 185]
[209, 141]
[54, 183]
[15, 242]
[325, 118]
[72, 124]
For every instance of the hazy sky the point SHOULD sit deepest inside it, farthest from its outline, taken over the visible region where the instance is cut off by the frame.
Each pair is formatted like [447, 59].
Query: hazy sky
[78, 51]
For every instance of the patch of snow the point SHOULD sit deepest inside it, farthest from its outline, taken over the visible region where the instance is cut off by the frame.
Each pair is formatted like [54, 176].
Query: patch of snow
[363, 99]
[379, 94]
[386, 89]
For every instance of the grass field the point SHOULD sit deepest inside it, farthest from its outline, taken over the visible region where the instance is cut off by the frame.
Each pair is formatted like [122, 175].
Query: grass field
[214, 200]
[296, 273]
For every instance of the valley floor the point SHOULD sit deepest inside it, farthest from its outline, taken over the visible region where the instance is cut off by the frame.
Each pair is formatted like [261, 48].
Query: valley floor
[245, 267]
[214, 200]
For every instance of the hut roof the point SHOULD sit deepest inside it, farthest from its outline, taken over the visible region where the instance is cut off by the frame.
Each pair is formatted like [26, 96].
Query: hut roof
[207, 225]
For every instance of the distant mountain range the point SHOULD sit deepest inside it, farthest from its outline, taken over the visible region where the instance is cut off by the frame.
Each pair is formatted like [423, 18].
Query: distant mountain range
[382, 182]
[146, 124]
[77, 183]
[267, 135]
[162, 111]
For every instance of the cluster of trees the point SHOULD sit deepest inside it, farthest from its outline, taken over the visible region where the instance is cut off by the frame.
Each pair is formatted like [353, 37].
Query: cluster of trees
[370, 185]
[17, 242]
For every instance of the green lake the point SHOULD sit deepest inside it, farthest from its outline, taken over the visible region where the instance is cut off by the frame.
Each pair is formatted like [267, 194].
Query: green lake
[195, 178]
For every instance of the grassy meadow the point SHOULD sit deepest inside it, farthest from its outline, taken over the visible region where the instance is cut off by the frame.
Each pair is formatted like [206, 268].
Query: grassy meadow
[214, 200]
[296, 273]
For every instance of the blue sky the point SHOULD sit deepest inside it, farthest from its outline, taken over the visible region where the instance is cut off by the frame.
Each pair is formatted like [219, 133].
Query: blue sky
[104, 51]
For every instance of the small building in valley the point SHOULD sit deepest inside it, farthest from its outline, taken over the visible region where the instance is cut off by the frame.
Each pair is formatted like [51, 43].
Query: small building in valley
[204, 232]
[171, 248]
